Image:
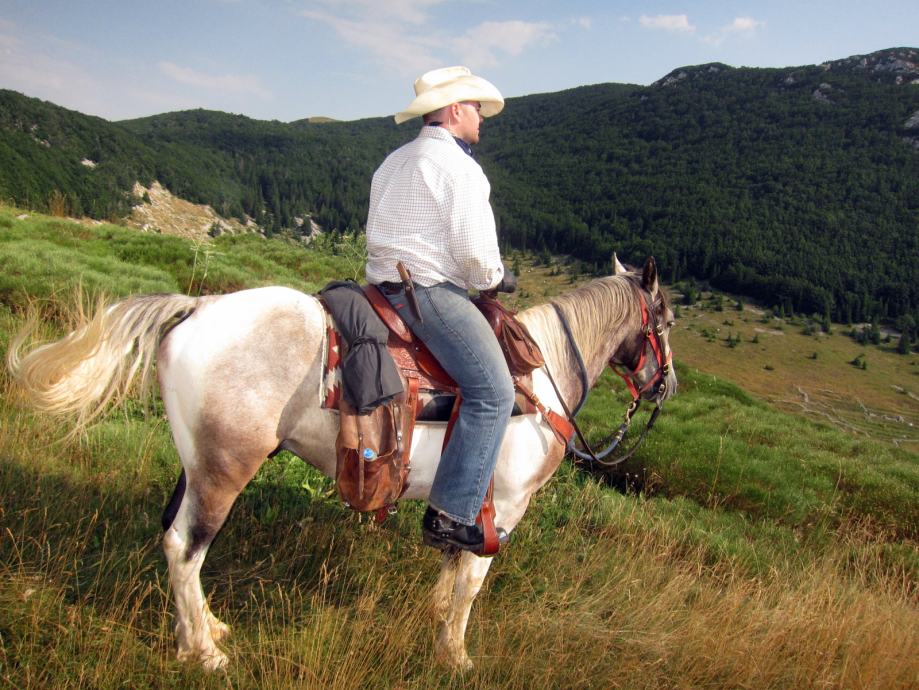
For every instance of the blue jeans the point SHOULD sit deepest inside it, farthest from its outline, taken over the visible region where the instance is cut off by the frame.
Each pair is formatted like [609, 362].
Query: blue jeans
[457, 334]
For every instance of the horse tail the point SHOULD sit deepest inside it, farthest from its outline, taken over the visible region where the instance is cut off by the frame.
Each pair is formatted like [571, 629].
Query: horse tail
[96, 364]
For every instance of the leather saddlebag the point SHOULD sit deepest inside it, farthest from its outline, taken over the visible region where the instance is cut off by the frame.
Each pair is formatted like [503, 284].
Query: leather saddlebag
[520, 350]
[366, 484]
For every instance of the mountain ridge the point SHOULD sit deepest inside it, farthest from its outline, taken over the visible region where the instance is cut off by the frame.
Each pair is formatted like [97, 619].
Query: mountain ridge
[741, 176]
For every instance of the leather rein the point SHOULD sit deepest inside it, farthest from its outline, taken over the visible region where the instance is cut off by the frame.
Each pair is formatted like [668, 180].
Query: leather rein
[653, 335]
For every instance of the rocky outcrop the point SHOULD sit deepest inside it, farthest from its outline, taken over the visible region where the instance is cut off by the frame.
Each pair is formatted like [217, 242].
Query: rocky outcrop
[678, 75]
[895, 65]
[912, 130]
[822, 93]
[164, 213]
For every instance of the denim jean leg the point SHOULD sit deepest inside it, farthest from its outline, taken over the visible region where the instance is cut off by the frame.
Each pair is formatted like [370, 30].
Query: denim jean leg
[460, 338]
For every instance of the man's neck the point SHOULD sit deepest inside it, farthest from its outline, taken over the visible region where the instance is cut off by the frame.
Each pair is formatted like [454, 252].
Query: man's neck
[459, 142]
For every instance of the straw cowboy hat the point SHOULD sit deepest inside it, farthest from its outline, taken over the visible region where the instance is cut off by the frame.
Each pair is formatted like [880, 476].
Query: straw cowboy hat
[440, 87]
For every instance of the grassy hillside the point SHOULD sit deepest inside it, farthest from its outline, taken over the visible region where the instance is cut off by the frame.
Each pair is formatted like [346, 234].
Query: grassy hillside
[743, 546]
[794, 364]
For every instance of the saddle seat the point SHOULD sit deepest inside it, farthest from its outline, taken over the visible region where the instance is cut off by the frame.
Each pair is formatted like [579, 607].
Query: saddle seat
[416, 364]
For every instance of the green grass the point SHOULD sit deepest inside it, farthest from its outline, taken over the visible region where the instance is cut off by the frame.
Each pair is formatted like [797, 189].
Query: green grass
[732, 453]
[42, 257]
[808, 373]
[742, 546]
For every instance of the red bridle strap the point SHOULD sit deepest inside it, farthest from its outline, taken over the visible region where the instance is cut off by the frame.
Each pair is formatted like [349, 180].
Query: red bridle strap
[653, 336]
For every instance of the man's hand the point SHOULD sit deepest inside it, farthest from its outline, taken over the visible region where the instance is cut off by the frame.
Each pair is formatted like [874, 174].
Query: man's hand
[508, 282]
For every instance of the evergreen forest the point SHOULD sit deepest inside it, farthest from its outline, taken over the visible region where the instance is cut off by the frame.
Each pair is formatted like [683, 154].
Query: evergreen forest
[796, 186]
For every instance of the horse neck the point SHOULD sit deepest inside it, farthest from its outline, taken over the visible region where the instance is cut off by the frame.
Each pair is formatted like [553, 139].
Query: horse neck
[600, 314]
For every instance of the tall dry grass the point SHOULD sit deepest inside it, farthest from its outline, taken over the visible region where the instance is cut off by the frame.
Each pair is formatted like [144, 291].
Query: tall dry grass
[617, 597]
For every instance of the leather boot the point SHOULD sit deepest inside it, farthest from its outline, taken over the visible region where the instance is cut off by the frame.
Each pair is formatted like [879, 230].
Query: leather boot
[442, 532]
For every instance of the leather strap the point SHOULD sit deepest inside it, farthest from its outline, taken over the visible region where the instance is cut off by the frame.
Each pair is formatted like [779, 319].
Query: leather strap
[486, 517]
[582, 369]
[454, 415]
[408, 412]
[386, 312]
[563, 429]
[486, 520]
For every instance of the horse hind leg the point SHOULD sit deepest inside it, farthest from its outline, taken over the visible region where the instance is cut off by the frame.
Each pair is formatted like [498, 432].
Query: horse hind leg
[218, 629]
[185, 543]
[198, 510]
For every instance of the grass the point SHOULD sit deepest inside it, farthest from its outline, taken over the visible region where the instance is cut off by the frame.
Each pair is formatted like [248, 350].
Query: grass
[41, 256]
[741, 547]
[806, 373]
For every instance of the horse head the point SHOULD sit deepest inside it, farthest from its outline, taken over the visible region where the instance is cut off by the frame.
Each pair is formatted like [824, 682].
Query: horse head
[644, 358]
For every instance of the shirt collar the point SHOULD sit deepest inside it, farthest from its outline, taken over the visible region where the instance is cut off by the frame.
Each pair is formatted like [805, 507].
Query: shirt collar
[459, 142]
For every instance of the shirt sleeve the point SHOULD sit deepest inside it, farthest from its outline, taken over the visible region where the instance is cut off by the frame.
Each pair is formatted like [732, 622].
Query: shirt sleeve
[471, 232]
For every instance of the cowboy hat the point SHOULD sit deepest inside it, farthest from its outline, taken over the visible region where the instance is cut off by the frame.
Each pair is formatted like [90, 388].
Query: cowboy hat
[440, 87]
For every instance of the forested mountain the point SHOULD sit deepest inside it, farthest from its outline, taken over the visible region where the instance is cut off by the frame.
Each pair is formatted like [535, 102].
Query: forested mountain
[798, 186]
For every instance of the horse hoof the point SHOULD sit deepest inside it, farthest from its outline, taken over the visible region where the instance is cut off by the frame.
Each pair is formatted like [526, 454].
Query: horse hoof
[219, 630]
[456, 659]
[460, 664]
[215, 662]
[211, 661]
[464, 665]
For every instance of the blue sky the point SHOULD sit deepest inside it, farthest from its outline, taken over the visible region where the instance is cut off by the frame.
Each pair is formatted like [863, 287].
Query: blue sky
[350, 59]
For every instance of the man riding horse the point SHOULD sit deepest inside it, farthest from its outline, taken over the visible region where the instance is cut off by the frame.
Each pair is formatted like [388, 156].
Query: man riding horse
[429, 210]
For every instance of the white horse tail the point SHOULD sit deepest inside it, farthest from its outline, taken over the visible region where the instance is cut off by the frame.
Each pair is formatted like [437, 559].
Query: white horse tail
[96, 364]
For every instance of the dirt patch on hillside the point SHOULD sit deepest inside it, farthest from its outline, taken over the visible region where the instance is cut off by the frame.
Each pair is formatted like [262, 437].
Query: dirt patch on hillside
[170, 215]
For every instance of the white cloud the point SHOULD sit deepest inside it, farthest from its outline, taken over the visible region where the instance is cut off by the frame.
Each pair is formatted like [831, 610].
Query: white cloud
[583, 22]
[479, 46]
[402, 33]
[390, 41]
[667, 22]
[67, 73]
[412, 11]
[745, 24]
[741, 26]
[227, 83]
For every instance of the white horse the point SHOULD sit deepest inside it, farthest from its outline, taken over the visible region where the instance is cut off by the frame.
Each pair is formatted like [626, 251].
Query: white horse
[241, 377]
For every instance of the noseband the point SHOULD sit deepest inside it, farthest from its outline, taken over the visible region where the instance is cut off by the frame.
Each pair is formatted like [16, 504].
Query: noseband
[654, 340]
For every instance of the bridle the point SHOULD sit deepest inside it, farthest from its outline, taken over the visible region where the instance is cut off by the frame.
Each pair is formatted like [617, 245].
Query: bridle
[653, 332]
[654, 340]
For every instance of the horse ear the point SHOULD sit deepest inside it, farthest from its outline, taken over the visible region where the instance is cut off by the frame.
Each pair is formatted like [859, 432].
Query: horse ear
[618, 268]
[649, 276]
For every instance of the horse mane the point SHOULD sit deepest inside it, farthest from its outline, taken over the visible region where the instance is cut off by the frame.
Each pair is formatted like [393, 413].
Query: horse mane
[594, 311]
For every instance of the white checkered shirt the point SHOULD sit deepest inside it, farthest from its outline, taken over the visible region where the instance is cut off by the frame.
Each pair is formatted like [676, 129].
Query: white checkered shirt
[429, 209]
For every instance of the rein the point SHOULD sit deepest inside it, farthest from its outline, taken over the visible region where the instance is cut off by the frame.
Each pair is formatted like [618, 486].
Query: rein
[663, 356]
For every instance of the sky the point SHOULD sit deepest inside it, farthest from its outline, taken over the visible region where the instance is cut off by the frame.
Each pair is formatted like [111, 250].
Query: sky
[351, 59]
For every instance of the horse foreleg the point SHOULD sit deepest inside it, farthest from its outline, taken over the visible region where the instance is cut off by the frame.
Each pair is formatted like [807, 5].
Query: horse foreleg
[468, 574]
[442, 596]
